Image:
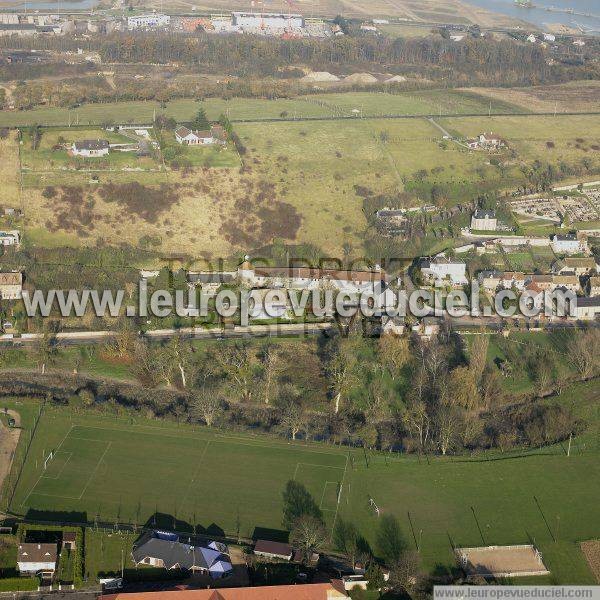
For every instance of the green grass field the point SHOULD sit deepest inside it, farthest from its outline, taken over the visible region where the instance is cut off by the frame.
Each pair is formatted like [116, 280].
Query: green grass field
[52, 164]
[128, 471]
[324, 105]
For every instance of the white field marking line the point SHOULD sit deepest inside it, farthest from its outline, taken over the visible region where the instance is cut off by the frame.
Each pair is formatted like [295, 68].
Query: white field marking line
[279, 446]
[57, 476]
[129, 430]
[323, 496]
[95, 469]
[42, 473]
[55, 495]
[196, 470]
[191, 435]
[337, 508]
[320, 466]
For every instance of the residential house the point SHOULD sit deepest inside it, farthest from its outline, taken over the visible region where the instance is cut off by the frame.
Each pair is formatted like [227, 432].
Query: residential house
[568, 244]
[531, 38]
[10, 238]
[442, 270]
[273, 550]
[427, 328]
[209, 281]
[492, 280]
[575, 266]
[486, 141]
[588, 308]
[484, 220]
[90, 148]
[392, 325]
[593, 286]
[34, 558]
[194, 137]
[11, 285]
[549, 37]
[164, 549]
[333, 590]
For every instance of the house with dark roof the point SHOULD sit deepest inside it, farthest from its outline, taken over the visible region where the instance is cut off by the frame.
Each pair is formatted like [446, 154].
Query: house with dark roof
[588, 308]
[165, 549]
[272, 550]
[34, 558]
[484, 220]
[90, 148]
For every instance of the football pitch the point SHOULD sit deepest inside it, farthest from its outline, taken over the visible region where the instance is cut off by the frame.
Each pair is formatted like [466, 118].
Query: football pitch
[118, 472]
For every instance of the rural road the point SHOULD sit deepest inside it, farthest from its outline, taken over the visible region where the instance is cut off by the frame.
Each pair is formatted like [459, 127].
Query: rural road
[95, 337]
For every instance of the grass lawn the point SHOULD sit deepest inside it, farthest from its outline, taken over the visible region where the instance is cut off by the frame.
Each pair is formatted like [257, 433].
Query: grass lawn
[373, 103]
[425, 102]
[118, 468]
[105, 551]
[550, 139]
[212, 156]
[52, 164]
[9, 171]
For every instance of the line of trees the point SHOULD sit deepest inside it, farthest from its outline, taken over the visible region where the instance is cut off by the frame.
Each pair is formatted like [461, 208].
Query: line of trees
[394, 393]
[475, 60]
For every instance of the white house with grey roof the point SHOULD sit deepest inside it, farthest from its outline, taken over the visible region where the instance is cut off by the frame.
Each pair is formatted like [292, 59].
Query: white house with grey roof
[568, 244]
[90, 148]
[484, 220]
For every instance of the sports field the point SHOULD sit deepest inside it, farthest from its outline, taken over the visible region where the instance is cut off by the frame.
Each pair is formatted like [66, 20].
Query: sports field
[118, 471]
[123, 471]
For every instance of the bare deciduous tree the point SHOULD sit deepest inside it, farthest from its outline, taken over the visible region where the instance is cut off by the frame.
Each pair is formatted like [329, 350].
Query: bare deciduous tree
[207, 405]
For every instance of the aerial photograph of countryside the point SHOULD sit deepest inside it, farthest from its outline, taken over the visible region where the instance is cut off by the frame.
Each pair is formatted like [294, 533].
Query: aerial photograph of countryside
[299, 299]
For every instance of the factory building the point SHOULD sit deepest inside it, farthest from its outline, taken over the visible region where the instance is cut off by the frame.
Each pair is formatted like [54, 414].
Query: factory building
[282, 21]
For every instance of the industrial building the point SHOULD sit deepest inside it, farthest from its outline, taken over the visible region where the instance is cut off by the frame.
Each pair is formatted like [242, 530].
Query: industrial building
[282, 21]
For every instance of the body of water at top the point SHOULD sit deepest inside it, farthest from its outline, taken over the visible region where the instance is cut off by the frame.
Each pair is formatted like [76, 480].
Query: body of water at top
[540, 17]
[56, 6]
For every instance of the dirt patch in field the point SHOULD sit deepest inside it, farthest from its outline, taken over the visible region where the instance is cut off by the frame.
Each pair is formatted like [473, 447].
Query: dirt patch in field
[141, 201]
[591, 551]
[9, 438]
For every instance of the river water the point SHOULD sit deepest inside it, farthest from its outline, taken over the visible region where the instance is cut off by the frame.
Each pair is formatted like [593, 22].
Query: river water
[540, 17]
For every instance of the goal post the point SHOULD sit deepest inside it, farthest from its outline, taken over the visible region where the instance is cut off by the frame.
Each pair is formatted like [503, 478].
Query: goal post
[48, 459]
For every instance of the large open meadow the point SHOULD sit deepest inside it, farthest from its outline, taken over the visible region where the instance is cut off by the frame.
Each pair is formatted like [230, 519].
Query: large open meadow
[302, 181]
[121, 469]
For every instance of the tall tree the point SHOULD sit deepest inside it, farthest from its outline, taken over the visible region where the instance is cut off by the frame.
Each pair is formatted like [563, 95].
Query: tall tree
[309, 535]
[200, 121]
